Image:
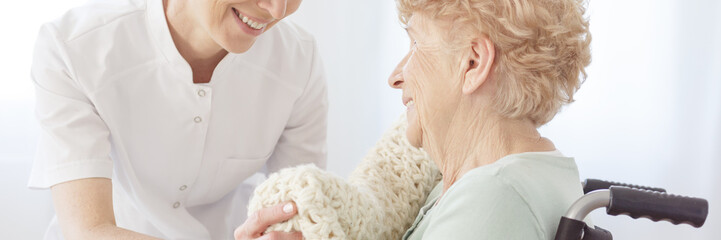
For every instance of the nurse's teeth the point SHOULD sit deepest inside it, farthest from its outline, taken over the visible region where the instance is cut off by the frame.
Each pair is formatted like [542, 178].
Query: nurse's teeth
[250, 22]
[409, 103]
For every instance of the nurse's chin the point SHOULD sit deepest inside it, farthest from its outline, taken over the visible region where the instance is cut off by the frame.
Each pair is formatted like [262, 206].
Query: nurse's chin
[238, 47]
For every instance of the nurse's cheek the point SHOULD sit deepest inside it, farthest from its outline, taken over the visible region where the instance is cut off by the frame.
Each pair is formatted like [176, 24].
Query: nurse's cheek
[256, 224]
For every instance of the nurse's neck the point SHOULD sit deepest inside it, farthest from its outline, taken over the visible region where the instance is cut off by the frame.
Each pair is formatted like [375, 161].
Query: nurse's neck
[193, 43]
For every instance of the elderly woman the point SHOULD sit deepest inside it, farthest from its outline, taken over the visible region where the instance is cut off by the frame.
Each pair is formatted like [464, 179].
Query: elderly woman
[479, 79]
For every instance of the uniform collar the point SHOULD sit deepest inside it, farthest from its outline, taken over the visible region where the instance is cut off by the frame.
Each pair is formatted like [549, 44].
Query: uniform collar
[159, 31]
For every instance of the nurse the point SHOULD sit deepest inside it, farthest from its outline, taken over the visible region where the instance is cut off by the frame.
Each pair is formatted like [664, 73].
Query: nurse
[159, 116]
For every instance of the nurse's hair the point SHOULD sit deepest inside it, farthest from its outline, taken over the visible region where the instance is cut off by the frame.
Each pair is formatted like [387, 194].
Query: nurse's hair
[542, 48]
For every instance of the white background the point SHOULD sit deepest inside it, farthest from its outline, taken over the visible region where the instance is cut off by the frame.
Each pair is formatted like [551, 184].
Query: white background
[649, 112]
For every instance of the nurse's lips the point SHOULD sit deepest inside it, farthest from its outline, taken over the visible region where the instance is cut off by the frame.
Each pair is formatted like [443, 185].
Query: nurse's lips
[250, 25]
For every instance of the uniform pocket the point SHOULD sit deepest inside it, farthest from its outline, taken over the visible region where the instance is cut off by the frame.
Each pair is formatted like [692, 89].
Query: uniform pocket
[232, 173]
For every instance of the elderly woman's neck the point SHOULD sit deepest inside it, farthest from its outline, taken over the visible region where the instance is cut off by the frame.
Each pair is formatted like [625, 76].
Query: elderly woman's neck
[477, 140]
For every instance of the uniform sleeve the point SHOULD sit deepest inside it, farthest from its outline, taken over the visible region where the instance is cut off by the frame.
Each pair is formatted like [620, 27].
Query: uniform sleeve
[73, 142]
[304, 138]
[484, 209]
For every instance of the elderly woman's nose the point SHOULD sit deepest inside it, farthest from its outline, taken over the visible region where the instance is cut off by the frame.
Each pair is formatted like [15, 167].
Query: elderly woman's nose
[276, 8]
[396, 80]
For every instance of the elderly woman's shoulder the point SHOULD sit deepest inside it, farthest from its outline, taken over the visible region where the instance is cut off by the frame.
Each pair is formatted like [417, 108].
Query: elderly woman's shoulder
[525, 174]
[516, 168]
[531, 191]
[483, 205]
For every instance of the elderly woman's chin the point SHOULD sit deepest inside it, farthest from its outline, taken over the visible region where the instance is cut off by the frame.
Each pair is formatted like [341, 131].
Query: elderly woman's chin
[414, 132]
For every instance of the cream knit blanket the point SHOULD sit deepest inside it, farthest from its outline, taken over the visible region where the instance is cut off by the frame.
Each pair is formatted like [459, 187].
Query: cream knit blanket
[380, 199]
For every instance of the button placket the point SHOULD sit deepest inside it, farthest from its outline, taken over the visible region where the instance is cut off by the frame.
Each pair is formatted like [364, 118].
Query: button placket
[203, 94]
[202, 111]
[181, 195]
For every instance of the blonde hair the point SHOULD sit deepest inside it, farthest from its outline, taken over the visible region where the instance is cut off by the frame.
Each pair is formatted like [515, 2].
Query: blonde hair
[542, 48]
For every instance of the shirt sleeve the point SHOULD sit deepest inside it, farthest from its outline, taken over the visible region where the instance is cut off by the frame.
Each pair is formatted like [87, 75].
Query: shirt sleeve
[74, 141]
[304, 138]
[483, 209]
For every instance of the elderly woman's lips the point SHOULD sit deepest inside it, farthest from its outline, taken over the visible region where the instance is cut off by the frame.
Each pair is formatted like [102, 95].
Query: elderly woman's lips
[409, 103]
[406, 100]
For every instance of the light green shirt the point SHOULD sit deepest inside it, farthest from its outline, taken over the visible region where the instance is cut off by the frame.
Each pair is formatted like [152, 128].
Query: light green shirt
[520, 196]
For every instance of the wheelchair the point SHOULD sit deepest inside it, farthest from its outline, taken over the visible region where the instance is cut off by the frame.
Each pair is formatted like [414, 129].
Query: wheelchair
[632, 200]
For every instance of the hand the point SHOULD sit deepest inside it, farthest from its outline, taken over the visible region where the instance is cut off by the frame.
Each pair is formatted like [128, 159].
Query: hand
[254, 227]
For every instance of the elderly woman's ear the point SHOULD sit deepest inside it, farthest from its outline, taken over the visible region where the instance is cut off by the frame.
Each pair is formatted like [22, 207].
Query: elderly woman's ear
[479, 62]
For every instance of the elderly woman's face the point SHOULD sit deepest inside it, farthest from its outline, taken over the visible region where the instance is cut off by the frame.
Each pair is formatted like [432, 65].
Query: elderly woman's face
[428, 77]
[235, 24]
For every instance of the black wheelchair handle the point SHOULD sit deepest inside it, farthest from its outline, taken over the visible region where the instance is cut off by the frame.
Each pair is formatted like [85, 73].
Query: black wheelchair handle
[594, 184]
[657, 206]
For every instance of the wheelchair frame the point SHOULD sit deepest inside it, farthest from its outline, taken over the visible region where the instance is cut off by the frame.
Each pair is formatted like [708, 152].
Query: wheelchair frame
[632, 200]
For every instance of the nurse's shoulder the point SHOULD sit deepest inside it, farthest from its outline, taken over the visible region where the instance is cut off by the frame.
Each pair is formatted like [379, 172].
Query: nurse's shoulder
[287, 53]
[286, 39]
[98, 42]
[92, 16]
[289, 32]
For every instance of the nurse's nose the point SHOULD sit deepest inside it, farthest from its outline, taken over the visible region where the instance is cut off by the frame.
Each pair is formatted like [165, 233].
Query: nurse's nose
[276, 8]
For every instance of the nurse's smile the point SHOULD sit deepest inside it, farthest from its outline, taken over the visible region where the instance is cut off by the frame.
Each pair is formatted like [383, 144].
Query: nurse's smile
[249, 24]
[208, 29]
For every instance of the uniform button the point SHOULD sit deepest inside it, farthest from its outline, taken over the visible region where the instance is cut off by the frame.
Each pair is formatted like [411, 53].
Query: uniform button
[183, 187]
[197, 119]
[201, 93]
[176, 204]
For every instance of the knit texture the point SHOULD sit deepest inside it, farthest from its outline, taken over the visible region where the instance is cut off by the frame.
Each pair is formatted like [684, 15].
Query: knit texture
[380, 200]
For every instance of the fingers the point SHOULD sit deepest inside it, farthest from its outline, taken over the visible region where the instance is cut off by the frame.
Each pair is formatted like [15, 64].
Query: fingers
[261, 219]
[282, 236]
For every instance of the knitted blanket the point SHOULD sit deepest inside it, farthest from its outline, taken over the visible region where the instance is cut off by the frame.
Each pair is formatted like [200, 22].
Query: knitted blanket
[380, 200]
